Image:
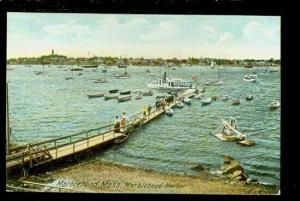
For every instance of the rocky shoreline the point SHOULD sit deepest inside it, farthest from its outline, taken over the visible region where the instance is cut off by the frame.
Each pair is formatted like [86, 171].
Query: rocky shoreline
[106, 177]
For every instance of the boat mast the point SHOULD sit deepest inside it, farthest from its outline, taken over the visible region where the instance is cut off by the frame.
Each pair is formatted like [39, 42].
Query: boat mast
[7, 123]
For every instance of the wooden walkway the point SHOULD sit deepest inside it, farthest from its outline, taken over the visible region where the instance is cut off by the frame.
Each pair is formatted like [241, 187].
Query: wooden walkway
[30, 155]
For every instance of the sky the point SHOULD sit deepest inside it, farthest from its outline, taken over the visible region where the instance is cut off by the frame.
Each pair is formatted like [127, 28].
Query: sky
[147, 36]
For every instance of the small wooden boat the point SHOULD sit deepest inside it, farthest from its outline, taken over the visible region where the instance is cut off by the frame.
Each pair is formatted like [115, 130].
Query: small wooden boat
[274, 105]
[110, 96]
[169, 112]
[236, 102]
[187, 100]
[138, 97]
[179, 104]
[76, 69]
[113, 91]
[79, 74]
[249, 97]
[104, 70]
[199, 96]
[225, 98]
[125, 92]
[124, 98]
[121, 139]
[101, 80]
[95, 95]
[149, 93]
[250, 78]
[90, 66]
[68, 78]
[246, 142]
[214, 98]
[206, 101]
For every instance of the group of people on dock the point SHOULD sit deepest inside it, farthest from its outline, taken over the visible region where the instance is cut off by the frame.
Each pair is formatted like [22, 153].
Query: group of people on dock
[119, 125]
[161, 103]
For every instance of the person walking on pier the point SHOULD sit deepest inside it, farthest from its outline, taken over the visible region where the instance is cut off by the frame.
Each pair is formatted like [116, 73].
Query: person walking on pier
[123, 121]
[117, 124]
[149, 109]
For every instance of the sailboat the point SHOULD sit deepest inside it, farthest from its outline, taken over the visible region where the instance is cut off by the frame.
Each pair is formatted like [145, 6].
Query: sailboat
[122, 76]
[215, 81]
[101, 80]
[212, 64]
[41, 72]
[69, 77]
[249, 97]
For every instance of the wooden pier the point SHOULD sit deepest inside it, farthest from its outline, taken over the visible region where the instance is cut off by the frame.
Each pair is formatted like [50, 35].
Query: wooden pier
[35, 154]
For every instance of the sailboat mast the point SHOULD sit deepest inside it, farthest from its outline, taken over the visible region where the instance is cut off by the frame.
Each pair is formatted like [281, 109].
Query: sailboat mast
[7, 123]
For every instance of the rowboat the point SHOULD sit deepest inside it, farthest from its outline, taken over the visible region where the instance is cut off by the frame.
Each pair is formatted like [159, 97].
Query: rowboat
[124, 98]
[110, 96]
[125, 92]
[113, 91]
[187, 100]
[169, 112]
[249, 97]
[274, 105]
[206, 101]
[95, 95]
[236, 102]
[179, 104]
[225, 98]
[199, 96]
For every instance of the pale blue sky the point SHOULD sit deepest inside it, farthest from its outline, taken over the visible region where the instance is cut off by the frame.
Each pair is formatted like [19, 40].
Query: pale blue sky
[148, 36]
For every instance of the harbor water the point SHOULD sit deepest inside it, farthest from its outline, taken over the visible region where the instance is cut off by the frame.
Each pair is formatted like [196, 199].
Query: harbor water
[48, 106]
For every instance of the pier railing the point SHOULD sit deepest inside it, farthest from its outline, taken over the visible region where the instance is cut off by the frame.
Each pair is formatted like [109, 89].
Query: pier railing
[57, 142]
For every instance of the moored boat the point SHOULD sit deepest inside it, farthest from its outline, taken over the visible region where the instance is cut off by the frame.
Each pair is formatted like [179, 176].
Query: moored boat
[206, 101]
[90, 66]
[138, 97]
[169, 111]
[274, 105]
[125, 92]
[124, 98]
[236, 102]
[149, 93]
[199, 96]
[168, 84]
[113, 91]
[214, 98]
[249, 97]
[227, 131]
[110, 96]
[95, 95]
[225, 98]
[187, 100]
[179, 104]
[250, 78]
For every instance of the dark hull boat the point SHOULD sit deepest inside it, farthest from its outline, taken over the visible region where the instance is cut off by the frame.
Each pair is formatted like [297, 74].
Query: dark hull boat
[95, 95]
[125, 92]
[113, 91]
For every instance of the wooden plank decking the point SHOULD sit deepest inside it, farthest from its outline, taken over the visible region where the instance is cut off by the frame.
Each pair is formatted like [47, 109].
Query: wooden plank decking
[50, 150]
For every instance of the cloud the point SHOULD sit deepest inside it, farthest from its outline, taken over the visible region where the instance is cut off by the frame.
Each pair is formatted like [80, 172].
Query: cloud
[225, 39]
[164, 30]
[208, 29]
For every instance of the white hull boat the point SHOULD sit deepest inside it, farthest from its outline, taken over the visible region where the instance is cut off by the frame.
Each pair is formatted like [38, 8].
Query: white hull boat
[274, 105]
[179, 104]
[187, 100]
[169, 112]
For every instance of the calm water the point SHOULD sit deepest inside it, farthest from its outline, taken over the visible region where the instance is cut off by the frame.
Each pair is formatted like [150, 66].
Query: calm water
[48, 106]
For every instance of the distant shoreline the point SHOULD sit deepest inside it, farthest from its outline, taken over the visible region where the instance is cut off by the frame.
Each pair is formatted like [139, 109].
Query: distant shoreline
[99, 66]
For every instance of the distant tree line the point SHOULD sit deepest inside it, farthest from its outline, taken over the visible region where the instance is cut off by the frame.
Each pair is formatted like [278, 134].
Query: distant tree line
[56, 59]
